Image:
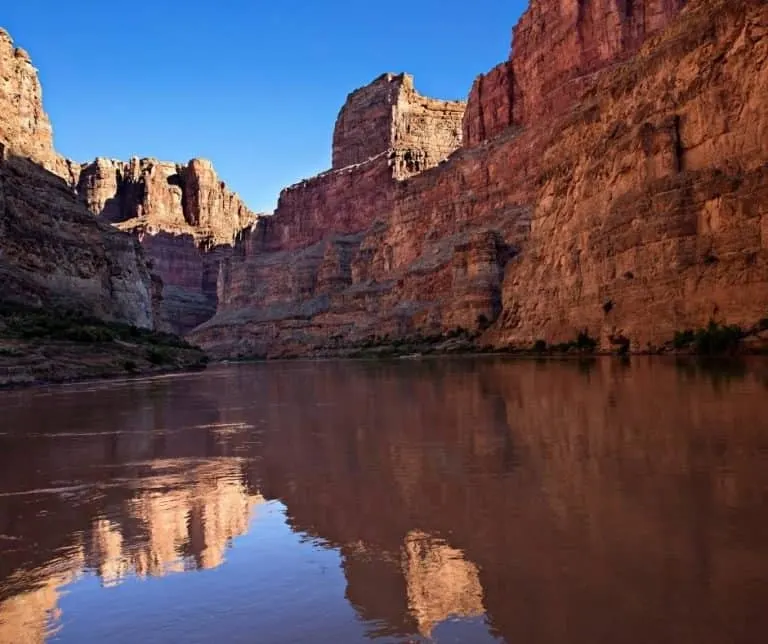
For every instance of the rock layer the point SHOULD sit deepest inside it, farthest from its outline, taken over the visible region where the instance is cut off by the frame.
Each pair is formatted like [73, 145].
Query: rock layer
[556, 49]
[611, 179]
[389, 115]
[52, 251]
[652, 201]
[185, 218]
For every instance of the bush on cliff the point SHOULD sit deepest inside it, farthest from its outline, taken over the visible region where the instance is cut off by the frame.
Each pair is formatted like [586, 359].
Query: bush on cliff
[159, 356]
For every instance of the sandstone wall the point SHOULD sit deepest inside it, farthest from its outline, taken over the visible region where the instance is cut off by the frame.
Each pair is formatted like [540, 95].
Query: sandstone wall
[52, 251]
[185, 218]
[24, 125]
[389, 115]
[628, 202]
[556, 49]
[652, 208]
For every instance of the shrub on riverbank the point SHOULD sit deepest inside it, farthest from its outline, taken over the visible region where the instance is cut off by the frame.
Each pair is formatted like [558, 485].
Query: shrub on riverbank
[55, 345]
[714, 339]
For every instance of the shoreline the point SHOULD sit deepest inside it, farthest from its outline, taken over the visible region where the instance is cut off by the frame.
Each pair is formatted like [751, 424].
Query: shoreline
[8, 386]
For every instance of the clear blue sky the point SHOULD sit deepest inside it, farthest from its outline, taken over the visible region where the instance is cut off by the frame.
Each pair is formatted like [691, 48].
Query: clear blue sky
[254, 86]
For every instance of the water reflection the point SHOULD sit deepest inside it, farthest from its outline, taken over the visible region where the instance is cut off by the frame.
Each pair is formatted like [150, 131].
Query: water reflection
[463, 500]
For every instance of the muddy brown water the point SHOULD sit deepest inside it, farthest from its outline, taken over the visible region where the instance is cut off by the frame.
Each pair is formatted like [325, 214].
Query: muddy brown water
[451, 500]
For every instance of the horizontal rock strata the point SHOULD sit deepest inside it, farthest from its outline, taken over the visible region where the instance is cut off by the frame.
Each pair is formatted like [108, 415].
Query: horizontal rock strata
[185, 218]
[52, 251]
[611, 178]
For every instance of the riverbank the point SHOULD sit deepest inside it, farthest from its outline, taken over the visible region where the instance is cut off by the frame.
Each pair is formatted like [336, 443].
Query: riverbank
[712, 340]
[39, 347]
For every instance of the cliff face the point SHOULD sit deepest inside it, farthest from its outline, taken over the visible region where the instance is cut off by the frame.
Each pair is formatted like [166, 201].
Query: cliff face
[651, 208]
[389, 114]
[52, 251]
[610, 178]
[318, 258]
[185, 218]
[556, 49]
[23, 122]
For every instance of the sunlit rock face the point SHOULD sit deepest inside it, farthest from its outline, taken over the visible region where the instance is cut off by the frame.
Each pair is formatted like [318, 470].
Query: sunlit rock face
[651, 209]
[602, 184]
[23, 120]
[52, 252]
[340, 256]
[389, 115]
[556, 49]
[185, 218]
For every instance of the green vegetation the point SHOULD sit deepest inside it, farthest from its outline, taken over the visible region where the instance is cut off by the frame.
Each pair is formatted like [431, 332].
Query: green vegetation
[683, 339]
[622, 344]
[584, 343]
[483, 323]
[28, 323]
[55, 345]
[714, 339]
[159, 356]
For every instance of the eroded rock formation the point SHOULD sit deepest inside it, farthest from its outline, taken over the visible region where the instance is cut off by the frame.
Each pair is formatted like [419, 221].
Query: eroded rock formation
[611, 178]
[183, 215]
[52, 251]
[556, 49]
[389, 114]
[185, 218]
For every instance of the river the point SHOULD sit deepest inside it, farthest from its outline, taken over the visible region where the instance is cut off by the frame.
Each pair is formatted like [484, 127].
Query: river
[449, 500]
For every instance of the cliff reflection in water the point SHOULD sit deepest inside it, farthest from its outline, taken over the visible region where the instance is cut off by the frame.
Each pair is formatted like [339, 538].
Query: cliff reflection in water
[540, 502]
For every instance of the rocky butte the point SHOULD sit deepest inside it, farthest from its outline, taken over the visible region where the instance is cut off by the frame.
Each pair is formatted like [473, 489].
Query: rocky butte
[185, 218]
[611, 176]
[60, 242]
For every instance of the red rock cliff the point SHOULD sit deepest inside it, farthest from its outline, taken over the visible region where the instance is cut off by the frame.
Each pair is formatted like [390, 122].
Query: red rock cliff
[390, 115]
[556, 48]
[52, 251]
[621, 189]
[185, 218]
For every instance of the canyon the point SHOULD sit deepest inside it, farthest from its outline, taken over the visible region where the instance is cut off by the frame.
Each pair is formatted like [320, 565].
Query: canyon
[62, 244]
[609, 178]
[52, 251]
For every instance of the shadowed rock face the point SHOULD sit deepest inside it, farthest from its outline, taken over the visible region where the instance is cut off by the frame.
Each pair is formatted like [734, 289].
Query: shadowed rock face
[614, 159]
[52, 251]
[185, 218]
